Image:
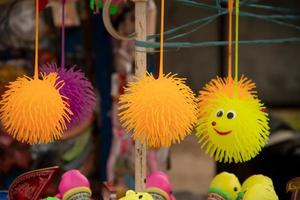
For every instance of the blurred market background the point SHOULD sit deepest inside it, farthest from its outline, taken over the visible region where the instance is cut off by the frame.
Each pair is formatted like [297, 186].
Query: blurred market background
[98, 146]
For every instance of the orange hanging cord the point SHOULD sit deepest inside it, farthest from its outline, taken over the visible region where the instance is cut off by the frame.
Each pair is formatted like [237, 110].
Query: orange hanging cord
[162, 25]
[230, 9]
[236, 49]
[36, 72]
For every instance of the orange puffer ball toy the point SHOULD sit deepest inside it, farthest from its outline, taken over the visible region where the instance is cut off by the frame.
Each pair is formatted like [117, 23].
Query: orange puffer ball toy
[33, 111]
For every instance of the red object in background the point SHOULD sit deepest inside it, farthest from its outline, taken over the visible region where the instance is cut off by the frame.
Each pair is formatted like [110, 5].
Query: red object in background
[46, 56]
[13, 153]
[30, 185]
[42, 4]
[123, 82]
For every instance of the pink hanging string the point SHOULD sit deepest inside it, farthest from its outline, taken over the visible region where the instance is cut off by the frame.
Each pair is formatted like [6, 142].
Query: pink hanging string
[63, 34]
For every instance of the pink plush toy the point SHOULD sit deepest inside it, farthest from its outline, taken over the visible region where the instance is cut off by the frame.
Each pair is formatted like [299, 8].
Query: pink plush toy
[159, 181]
[74, 185]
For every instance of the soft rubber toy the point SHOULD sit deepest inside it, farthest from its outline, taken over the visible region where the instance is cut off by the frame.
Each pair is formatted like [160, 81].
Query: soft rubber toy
[233, 124]
[159, 183]
[74, 185]
[256, 179]
[224, 186]
[132, 195]
[258, 187]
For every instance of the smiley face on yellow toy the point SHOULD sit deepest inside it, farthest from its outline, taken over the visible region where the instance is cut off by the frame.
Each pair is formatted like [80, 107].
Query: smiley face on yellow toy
[223, 118]
[233, 126]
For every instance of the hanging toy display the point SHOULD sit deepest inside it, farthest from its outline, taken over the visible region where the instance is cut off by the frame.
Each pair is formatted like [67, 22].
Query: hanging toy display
[96, 5]
[77, 88]
[32, 109]
[159, 111]
[233, 125]
[224, 186]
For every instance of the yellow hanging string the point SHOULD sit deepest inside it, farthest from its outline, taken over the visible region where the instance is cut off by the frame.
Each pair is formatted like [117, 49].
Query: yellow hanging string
[230, 8]
[162, 24]
[36, 73]
[236, 55]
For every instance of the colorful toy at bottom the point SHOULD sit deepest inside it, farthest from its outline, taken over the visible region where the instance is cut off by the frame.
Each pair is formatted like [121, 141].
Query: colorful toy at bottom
[132, 195]
[256, 179]
[158, 184]
[224, 186]
[74, 185]
[258, 187]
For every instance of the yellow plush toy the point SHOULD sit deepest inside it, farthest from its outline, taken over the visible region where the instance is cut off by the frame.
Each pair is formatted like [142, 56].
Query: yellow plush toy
[261, 192]
[258, 187]
[257, 179]
[225, 185]
[132, 195]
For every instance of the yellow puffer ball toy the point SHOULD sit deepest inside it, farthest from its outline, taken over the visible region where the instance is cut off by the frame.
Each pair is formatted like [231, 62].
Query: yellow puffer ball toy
[159, 111]
[33, 111]
[233, 125]
[132, 195]
[226, 185]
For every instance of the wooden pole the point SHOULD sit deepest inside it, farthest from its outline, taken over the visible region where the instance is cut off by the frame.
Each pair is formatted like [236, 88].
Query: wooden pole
[140, 70]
